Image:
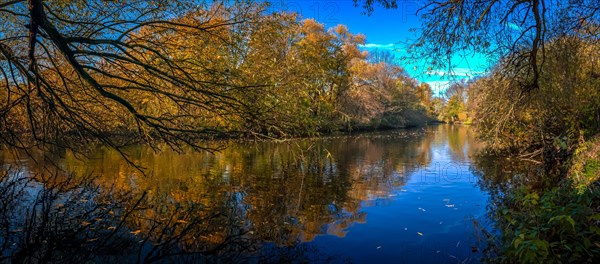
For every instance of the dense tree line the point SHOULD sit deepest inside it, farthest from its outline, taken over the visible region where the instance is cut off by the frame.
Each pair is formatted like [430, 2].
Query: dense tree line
[122, 72]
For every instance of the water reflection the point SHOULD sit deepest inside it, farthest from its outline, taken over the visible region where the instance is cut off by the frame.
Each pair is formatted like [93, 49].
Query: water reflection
[504, 178]
[266, 201]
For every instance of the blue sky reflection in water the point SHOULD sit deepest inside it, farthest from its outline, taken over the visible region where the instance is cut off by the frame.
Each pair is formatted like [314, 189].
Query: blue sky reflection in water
[428, 217]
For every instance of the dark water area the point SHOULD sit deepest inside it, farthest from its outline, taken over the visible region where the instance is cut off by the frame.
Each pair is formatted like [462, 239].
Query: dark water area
[387, 197]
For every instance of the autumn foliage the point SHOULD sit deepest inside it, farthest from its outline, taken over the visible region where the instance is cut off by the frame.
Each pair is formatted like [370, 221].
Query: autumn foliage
[177, 76]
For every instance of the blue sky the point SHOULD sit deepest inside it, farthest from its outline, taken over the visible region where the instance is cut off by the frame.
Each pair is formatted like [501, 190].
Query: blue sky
[385, 30]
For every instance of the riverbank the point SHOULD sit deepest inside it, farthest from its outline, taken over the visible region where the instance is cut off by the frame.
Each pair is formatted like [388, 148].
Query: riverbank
[559, 221]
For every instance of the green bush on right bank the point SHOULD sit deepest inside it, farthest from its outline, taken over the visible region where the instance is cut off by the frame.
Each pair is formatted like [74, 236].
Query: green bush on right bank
[561, 224]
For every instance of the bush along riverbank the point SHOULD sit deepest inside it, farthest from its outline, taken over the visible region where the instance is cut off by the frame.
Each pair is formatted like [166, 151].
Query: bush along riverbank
[556, 223]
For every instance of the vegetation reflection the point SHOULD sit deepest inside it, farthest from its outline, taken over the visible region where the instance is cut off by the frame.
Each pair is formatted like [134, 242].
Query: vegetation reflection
[226, 204]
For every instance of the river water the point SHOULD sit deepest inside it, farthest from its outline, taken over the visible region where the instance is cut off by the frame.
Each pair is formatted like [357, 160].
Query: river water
[387, 197]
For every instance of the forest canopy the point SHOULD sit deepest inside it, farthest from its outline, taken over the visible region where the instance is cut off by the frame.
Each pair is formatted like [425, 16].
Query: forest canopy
[121, 72]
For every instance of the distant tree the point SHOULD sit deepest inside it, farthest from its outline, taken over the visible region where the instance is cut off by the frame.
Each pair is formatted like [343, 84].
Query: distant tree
[459, 90]
[385, 56]
[425, 94]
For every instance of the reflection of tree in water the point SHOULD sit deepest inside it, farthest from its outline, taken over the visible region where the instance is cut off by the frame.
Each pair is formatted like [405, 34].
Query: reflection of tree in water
[297, 253]
[61, 218]
[461, 142]
[500, 177]
[237, 199]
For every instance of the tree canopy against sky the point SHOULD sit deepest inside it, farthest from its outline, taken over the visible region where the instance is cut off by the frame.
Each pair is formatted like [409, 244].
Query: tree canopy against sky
[76, 67]
[509, 30]
[175, 71]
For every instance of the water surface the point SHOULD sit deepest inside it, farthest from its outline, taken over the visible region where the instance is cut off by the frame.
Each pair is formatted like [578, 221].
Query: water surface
[386, 197]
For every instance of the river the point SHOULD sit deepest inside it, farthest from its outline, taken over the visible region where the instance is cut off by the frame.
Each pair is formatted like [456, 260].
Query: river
[386, 197]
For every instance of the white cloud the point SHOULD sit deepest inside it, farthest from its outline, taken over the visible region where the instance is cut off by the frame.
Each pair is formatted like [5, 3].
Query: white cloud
[390, 46]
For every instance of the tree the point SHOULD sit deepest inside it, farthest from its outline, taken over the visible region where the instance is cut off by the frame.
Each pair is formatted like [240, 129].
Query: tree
[79, 69]
[515, 31]
[551, 120]
[384, 95]
[151, 71]
[425, 94]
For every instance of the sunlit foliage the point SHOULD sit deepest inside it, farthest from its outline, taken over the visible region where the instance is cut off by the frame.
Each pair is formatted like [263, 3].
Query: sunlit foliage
[161, 71]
